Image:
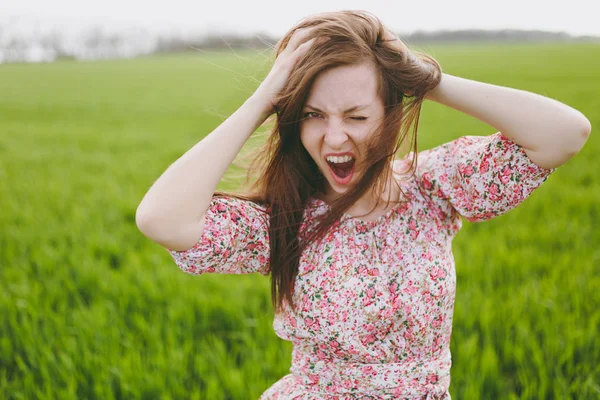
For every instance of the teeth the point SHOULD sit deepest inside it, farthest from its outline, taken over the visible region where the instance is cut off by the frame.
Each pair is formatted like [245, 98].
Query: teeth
[343, 159]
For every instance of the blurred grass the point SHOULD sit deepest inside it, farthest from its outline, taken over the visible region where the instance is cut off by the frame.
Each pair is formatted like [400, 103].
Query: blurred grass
[91, 309]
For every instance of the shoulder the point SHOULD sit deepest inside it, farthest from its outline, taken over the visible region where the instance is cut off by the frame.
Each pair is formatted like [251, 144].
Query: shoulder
[407, 176]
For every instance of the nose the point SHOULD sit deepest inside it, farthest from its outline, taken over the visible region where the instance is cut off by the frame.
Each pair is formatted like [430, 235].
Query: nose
[335, 134]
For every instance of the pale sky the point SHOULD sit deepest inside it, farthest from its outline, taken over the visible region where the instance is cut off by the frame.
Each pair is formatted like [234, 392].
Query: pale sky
[576, 17]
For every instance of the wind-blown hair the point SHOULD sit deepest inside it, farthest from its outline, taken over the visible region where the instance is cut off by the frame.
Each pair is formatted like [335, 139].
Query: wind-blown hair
[288, 176]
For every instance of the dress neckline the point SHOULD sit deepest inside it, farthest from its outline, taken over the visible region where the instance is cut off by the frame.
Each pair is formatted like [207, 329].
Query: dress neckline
[376, 221]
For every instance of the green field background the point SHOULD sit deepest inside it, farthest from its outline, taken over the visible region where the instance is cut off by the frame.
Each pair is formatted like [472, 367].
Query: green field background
[92, 309]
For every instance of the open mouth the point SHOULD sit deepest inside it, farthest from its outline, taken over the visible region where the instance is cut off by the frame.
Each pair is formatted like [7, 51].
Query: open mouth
[342, 171]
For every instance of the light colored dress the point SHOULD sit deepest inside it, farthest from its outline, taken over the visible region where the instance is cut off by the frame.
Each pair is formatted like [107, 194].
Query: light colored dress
[375, 300]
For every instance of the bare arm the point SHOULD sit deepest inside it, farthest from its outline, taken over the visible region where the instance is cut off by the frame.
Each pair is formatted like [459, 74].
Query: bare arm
[172, 211]
[551, 132]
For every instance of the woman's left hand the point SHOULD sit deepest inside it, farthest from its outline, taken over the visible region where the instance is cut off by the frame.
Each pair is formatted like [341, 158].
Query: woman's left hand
[397, 43]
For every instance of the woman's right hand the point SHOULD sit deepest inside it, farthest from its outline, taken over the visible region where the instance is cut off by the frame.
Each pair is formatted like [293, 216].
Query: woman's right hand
[275, 81]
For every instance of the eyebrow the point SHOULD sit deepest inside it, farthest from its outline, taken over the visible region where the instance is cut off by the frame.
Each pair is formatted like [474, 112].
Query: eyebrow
[355, 108]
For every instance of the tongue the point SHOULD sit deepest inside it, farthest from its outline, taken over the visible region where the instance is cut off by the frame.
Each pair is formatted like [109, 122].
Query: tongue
[342, 169]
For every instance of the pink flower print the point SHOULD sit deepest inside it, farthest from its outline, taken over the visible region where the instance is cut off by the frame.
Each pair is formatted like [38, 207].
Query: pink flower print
[487, 215]
[427, 180]
[484, 165]
[414, 234]
[393, 287]
[369, 339]
[344, 315]
[373, 272]
[494, 192]
[312, 323]
[437, 272]
[316, 325]
[366, 301]
[361, 229]
[362, 269]
[221, 207]
[329, 274]
[437, 322]
[332, 318]
[292, 321]
[387, 313]
[506, 174]
[352, 350]
[441, 194]
[368, 370]
[321, 355]
[431, 378]
[399, 390]
[340, 353]
[411, 288]
[235, 216]
[314, 378]
[428, 256]
[465, 170]
[306, 304]
[409, 335]
[438, 341]
[412, 224]
[444, 177]
[348, 383]
[371, 292]
[368, 327]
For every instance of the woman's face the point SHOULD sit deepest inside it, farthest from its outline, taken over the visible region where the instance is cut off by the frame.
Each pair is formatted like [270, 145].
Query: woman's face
[342, 110]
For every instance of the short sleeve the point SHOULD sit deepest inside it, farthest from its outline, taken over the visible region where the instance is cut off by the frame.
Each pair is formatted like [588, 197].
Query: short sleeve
[478, 177]
[235, 240]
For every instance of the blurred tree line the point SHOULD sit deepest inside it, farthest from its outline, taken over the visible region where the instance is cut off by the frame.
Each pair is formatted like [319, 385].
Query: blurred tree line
[96, 42]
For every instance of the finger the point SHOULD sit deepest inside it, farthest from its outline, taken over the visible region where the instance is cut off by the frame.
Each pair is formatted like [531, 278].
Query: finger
[300, 51]
[305, 46]
[298, 37]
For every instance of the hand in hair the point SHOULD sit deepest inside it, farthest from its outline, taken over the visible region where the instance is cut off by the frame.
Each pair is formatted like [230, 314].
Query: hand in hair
[396, 43]
[296, 47]
[409, 56]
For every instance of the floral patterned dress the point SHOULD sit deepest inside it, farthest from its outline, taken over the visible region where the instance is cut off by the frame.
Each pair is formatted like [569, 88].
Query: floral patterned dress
[375, 299]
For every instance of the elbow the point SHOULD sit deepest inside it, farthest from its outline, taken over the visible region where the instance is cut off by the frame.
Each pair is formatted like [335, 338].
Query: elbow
[573, 143]
[149, 226]
[181, 238]
[587, 128]
[142, 221]
[584, 126]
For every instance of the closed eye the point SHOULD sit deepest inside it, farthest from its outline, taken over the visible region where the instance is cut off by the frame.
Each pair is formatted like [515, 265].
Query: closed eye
[310, 115]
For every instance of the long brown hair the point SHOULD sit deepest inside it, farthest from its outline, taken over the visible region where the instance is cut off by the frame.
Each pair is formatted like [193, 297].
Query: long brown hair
[288, 176]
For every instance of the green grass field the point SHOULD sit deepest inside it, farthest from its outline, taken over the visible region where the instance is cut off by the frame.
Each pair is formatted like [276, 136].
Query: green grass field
[92, 309]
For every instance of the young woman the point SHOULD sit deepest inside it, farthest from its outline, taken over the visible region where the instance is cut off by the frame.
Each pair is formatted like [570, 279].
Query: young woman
[357, 241]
